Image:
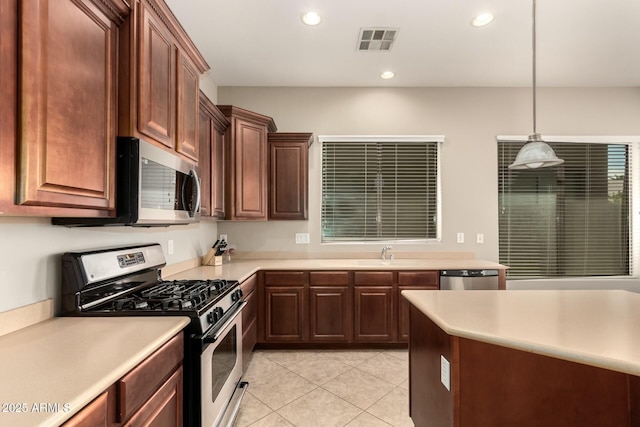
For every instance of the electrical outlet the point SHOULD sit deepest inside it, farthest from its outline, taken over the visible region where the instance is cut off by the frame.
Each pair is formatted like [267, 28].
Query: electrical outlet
[445, 372]
[302, 238]
[170, 247]
[460, 237]
[479, 238]
[223, 237]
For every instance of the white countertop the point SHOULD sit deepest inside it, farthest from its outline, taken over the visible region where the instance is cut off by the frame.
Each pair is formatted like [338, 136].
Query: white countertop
[242, 269]
[71, 360]
[598, 328]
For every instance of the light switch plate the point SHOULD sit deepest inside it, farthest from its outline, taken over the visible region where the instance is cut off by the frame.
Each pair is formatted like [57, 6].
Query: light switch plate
[445, 372]
[479, 238]
[460, 237]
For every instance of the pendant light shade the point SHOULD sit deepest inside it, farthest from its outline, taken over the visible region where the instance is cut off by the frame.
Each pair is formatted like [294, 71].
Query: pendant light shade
[535, 153]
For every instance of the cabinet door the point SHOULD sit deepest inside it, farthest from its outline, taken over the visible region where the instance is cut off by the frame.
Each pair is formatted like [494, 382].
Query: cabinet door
[204, 161]
[67, 94]
[156, 79]
[374, 313]
[250, 171]
[403, 310]
[412, 280]
[330, 314]
[249, 315]
[164, 408]
[187, 108]
[284, 314]
[288, 179]
[218, 171]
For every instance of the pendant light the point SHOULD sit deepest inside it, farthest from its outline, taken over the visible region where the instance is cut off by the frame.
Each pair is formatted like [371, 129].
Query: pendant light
[535, 153]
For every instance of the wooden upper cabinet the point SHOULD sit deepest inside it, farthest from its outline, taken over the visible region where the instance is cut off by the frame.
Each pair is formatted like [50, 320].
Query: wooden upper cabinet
[188, 102]
[212, 126]
[288, 175]
[247, 175]
[157, 79]
[67, 80]
[160, 69]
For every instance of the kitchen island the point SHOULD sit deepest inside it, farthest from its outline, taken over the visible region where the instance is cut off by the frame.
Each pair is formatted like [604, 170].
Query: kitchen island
[524, 358]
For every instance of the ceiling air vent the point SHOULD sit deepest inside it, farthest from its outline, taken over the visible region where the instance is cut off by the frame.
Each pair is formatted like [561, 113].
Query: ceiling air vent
[380, 39]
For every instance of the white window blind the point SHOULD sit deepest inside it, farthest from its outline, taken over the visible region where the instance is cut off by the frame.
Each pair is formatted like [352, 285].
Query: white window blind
[379, 190]
[571, 220]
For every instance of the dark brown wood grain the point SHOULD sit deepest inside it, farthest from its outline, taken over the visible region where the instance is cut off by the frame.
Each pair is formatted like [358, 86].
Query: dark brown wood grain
[373, 278]
[423, 279]
[136, 387]
[329, 278]
[67, 122]
[247, 164]
[284, 278]
[212, 126]
[100, 412]
[288, 175]
[374, 314]
[330, 314]
[285, 314]
[164, 407]
[492, 385]
[187, 108]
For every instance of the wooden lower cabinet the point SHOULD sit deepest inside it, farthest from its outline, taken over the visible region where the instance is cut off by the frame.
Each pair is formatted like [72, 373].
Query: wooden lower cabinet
[337, 307]
[412, 280]
[148, 395]
[285, 313]
[330, 314]
[101, 412]
[164, 408]
[249, 318]
[374, 313]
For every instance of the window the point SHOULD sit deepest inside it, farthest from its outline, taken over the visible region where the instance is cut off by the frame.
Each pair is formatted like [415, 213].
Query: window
[571, 220]
[380, 188]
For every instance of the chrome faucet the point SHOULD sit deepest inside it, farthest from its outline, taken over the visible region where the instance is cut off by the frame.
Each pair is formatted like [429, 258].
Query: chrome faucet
[383, 255]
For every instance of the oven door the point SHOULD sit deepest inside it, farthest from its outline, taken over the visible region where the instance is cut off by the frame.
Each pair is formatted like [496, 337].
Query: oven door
[221, 364]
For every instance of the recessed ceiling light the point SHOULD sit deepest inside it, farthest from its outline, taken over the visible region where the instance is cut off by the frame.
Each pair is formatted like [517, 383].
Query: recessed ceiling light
[482, 19]
[311, 18]
[388, 75]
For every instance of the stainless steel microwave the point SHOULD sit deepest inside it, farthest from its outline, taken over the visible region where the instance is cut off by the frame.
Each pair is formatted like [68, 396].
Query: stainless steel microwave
[154, 187]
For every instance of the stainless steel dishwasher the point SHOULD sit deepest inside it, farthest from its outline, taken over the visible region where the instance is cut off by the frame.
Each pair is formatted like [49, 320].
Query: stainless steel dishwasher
[469, 280]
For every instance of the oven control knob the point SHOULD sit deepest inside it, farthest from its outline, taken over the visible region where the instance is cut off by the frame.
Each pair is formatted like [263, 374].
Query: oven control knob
[215, 315]
[235, 296]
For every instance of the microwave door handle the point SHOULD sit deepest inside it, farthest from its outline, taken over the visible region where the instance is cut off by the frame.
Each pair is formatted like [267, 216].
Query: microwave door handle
[196, 179]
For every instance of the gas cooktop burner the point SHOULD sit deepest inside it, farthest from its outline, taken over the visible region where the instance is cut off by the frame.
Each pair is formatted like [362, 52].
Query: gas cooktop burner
[173, 295]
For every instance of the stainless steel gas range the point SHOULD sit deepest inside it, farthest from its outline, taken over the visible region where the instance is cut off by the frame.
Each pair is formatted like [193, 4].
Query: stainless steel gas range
[127, 281]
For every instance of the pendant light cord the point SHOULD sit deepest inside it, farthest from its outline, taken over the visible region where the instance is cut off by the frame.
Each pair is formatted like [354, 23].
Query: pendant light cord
[533, 37]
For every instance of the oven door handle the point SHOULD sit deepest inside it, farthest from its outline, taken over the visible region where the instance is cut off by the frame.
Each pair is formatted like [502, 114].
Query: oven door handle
[220, 331]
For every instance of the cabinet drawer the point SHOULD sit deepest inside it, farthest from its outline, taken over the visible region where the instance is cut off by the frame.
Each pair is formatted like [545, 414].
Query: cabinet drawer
[164, 408]
[141, 382]
[249, 285]
[419, 278]
[100, 412]
[284, 278]
[373, 278]
[329, 278]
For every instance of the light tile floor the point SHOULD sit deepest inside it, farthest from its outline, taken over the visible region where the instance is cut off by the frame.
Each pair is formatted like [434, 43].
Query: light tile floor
[326, 388]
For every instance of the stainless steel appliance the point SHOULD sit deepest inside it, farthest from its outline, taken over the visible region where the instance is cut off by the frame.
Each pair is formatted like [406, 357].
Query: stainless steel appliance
[468, 279]
[154, 187]
[127, 281]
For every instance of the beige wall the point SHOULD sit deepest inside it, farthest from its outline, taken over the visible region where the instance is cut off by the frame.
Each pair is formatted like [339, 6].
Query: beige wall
[31, 248]
[470, 119]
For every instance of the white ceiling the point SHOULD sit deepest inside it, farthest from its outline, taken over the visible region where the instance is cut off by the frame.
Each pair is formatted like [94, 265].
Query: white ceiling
[264, 43]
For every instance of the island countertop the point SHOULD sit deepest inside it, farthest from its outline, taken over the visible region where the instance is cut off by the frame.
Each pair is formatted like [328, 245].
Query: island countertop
[51, 370]
[594, 327]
